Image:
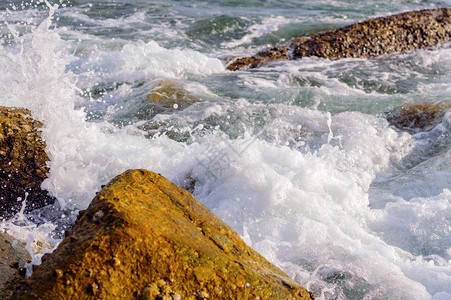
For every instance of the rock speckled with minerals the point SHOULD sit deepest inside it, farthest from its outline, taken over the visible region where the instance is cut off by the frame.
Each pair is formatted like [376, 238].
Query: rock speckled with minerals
[142, 237]
[23, 162]
[397, 33]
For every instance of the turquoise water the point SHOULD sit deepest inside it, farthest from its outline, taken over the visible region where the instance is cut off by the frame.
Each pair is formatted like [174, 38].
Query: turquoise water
[296, 156]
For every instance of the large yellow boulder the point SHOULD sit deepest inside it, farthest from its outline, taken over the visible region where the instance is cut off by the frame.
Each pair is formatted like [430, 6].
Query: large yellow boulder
[144, 238]
[22, 162]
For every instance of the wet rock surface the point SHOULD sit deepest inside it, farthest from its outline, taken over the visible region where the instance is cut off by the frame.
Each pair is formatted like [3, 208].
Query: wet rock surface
[22, 162]
[261, 58]
[418, 117]
[170, 94]
[144, 238]
[13, 257]
[397, 33]
[159, 96]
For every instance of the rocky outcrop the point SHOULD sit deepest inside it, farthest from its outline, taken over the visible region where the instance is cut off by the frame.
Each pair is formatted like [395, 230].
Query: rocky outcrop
[13, 257]
[144, 238]
[397, 33]
[22, 162]
[418, 117]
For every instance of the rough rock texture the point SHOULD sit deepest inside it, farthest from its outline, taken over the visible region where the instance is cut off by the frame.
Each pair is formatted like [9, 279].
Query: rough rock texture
[22, 161]
[144, 238]
[418, 117]
[13, 257]
[397, 33]
[261, 58]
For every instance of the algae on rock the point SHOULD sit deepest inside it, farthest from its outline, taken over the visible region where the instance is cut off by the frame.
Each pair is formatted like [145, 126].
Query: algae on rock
[143, 237]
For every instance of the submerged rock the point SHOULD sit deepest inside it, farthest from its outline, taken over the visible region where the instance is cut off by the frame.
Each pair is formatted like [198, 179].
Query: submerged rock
[143, 237]
[397, 33]
[169, 94]
[161, 96]
[418, 117]
[13, 257]
[22, 162]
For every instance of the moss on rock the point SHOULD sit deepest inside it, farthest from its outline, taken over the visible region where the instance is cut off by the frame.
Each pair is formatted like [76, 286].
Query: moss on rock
[144, 238]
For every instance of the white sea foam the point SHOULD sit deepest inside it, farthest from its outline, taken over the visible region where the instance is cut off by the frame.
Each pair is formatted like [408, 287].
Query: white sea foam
[257, 30]
[140, 60]
[292, 205]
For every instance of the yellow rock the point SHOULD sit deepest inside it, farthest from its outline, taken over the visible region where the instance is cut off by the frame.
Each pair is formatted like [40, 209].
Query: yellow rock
[167, 245]
[171, 94]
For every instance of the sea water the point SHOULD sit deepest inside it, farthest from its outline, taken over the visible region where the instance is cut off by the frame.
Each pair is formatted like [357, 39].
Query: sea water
[296, 156]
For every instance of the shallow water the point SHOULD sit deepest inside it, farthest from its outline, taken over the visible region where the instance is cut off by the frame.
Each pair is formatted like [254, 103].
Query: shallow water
[296, 157]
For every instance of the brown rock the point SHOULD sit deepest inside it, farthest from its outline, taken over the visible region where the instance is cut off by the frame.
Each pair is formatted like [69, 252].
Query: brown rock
[168, 93]
[154, 240]
[13, 257]
[22, 162]
[273, 54]
[418, 117]
[397, 33]
[155, 97]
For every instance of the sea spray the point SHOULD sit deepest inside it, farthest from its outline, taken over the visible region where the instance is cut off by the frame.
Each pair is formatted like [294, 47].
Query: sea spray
[293, 156]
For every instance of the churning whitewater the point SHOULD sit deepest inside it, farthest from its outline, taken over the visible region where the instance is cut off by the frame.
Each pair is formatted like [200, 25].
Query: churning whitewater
[297, 156]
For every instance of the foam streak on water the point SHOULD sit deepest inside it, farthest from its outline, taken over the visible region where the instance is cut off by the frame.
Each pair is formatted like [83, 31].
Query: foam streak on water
[295, 156]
